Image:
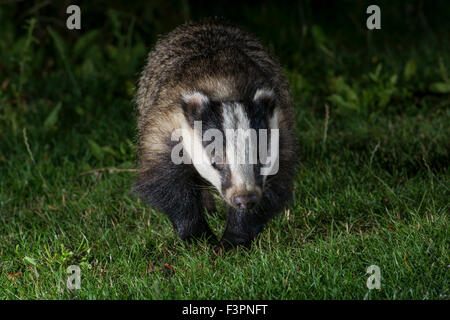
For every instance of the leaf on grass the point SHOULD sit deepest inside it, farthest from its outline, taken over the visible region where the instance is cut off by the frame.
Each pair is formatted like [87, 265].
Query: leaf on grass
[440, 87]
[341, 103]
[375, 76]
[168, 266]
[111, 151]
[410, 69]
[13, 276]
[96, 150]
[392, 228]
[52, 118]
[393, 79]
[30, 261]
[126, 165]
[5, 84]
[318, 35]
[85, 42]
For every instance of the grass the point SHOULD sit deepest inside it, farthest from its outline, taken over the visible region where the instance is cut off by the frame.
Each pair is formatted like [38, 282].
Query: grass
[371, 188]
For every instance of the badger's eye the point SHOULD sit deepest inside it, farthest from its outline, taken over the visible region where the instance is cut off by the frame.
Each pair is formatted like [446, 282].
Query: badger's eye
[217, 166]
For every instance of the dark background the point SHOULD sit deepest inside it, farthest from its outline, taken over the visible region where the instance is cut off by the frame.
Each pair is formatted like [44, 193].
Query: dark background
[316, 39]
[281, 24]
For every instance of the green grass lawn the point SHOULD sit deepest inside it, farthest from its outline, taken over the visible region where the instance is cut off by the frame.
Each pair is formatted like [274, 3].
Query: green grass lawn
[372, 187]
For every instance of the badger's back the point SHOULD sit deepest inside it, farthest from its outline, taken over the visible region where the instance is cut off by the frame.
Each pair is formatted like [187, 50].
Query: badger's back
[193, 53]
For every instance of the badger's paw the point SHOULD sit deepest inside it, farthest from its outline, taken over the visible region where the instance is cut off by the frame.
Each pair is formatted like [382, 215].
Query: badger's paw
[229, 242]
[198, 233]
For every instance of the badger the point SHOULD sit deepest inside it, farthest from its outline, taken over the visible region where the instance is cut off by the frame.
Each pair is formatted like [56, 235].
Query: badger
[214, 74]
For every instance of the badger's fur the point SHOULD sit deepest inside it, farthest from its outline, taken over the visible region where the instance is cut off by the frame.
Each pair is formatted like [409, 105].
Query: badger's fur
[218, 74]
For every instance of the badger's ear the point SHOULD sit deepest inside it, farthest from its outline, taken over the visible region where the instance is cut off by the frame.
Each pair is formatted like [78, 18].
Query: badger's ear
[265, 98]
[194, 104]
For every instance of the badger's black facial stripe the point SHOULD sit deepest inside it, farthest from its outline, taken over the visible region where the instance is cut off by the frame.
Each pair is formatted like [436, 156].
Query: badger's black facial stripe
[194, 105]
[226, 178]
[264, 103]
[212, 116]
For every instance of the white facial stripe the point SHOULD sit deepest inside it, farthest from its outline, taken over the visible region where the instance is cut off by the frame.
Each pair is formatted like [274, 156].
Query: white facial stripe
[193, 145]
[242, 175]
[274, 123]
[263, 93]
[195, 98]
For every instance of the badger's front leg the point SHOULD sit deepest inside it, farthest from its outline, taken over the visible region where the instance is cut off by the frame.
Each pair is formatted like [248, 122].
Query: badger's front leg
[186, 214]
[242, 227]
[174, 191]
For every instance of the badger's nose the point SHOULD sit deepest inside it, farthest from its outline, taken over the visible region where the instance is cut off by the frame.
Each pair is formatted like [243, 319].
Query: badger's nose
[246, 201]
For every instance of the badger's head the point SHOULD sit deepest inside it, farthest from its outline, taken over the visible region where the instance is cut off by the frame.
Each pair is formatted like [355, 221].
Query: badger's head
[232, 144]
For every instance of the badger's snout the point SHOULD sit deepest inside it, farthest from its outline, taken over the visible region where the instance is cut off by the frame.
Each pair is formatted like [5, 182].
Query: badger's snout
[245, 201]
